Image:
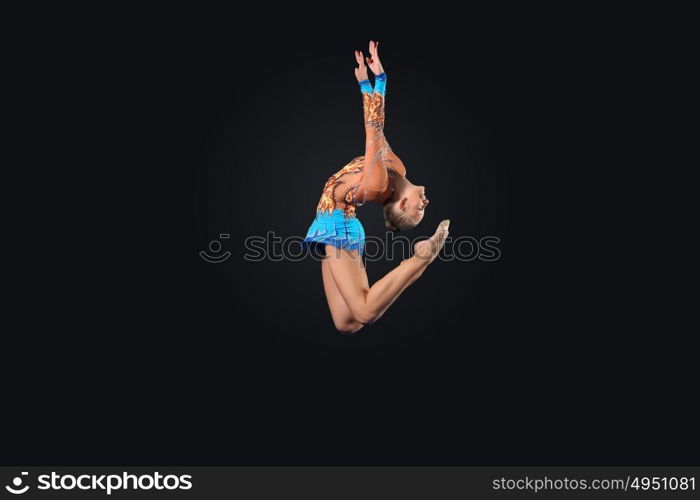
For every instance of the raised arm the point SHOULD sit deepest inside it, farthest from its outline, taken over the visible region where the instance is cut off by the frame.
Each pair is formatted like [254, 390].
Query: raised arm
[374, 183]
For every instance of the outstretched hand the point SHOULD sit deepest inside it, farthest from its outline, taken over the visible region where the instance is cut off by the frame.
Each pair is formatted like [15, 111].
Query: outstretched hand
[373, 60]
[361, 70]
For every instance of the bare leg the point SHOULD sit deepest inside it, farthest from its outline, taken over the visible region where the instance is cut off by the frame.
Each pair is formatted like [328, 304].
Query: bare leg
[342, 317]
[368, 304]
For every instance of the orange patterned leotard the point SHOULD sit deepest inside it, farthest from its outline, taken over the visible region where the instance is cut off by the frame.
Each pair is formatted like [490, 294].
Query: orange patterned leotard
[339, 190]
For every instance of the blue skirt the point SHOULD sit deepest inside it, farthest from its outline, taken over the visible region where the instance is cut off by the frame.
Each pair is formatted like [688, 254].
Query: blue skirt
[337, 230]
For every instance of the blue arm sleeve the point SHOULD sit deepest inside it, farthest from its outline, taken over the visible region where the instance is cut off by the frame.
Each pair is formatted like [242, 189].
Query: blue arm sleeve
[380, 83]
[366, 86]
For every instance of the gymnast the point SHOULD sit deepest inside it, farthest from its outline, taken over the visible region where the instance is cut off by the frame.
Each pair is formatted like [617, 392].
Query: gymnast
[378, 176]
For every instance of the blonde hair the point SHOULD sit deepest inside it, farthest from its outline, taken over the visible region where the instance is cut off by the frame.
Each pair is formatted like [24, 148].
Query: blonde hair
[396, 219]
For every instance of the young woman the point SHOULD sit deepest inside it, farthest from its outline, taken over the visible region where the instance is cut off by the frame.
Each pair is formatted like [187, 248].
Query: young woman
[378, 176]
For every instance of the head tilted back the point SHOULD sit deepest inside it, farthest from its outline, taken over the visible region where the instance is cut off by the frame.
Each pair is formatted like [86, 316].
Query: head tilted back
[396, 219]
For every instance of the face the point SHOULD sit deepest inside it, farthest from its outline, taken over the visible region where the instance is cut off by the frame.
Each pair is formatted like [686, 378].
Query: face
[414, 202]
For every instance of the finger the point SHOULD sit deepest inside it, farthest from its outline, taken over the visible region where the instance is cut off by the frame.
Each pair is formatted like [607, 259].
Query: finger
[358, 57]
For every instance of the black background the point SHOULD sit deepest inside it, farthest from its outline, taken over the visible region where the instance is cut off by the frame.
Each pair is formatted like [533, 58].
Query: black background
[152, 137]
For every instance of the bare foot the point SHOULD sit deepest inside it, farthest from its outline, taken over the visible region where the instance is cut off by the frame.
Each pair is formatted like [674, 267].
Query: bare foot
[428, 250]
